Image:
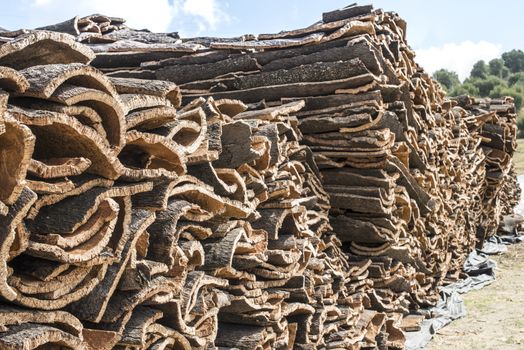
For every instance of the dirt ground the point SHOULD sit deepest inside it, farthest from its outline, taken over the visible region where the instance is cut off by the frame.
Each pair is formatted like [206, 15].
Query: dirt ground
[495, 318]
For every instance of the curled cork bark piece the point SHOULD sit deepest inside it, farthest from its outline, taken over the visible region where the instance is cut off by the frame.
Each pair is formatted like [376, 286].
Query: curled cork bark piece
[9, 223]
[236, 145]
[244, 337]
[189, 131]
[58, 292]
[137, 47]
[17, 143]
[65, 284]
[199, 288]
[131, 225]
[106, 212]
[142, 330]
[81, 184]
[36, 336]
[147, 155]
[85, 115]
[80, 208]
[226, 182]
[157, 199]
[12, 315]
[164, 233]
[13, 81]
[109, 108]
[52, 186]
[69, 27]
[59, 135]
[271, 113]
[194, 313]
[121, 305]
[83, 244]
[195, 191]
[219, 253]
[171, 340]
[150, 118]
[230, 107]
[317, 27]
[50, 288]
[43, 47]
[165, 89]
[268, 44]
[58, 167]
[136, 102]
[20, 242]
[275, 220]
[45, 79]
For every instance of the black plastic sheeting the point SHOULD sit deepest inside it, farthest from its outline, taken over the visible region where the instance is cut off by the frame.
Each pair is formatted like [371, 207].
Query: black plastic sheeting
[481, 272]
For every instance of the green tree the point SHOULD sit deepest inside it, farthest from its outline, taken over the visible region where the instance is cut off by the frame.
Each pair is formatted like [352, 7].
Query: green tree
[495, 67]
[514, 60]
[479, 70]
[498, 78]
[465, 89]
[505, 72]
[487, 84]
[447, 79]
[516, 79]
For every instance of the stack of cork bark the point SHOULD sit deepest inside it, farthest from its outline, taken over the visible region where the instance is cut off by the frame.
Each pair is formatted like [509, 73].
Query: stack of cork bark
[495, 121]
[131, 223]
[410, 179]
[301, 190]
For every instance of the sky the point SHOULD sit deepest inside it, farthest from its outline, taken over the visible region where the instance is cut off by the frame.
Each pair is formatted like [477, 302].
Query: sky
[451, 34]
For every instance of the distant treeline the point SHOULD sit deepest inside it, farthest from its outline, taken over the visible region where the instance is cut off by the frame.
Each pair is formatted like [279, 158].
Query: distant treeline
[499, 77]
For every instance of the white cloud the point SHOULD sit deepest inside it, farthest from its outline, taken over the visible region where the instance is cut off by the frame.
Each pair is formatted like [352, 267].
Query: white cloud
[457, 57]
[39, 3]
[208, 10]
[156, 15]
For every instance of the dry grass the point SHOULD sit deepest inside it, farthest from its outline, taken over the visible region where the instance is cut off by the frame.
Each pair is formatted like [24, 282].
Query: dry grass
[518, 158]
[495, 313]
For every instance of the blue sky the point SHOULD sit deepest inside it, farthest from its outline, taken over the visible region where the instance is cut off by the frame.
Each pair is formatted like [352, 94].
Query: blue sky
[445, 33]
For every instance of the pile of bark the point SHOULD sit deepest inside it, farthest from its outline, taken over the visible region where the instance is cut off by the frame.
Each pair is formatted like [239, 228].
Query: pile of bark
[128, 222]
[499, 191]
[416, 181]
[310, 189]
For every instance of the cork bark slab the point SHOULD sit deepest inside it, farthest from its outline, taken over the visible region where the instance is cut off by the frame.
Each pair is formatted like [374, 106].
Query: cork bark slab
[17, 143]
[33, 336]
[43, 47]
[150, 118]
[108, 107]
[13, 81]
[151, 156]
[84, 114]
[45, 79]
[164, 89]
[59, 135]
[58, 167]
[9, 222]
[135, 222]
